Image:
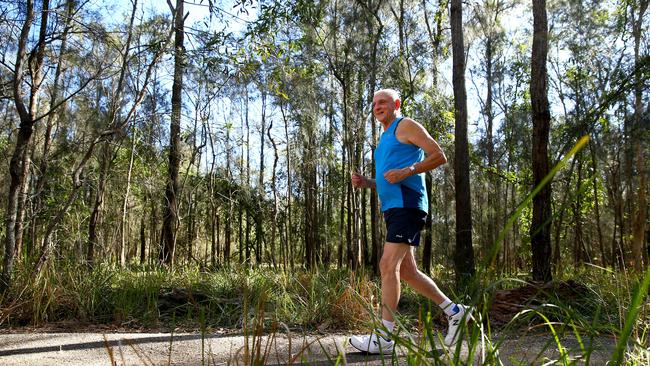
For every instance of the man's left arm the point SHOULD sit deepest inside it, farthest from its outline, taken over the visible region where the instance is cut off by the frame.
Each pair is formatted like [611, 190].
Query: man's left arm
[414, 133]
[417, 135]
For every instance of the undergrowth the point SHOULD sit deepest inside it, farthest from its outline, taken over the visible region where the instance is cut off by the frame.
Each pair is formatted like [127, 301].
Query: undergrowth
[583, 305]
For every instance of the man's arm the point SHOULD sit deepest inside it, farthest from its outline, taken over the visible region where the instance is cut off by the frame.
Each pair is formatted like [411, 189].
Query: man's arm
[359, 181]
[411, 132]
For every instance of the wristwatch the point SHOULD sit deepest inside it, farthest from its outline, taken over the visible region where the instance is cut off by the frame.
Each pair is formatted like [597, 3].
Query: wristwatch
[412, 169]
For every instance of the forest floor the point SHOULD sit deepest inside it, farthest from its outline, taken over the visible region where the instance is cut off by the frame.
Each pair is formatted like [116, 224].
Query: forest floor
[96, 346]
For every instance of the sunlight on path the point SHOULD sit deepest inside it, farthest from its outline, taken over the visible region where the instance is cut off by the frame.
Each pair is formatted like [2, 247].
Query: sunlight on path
[63, 349]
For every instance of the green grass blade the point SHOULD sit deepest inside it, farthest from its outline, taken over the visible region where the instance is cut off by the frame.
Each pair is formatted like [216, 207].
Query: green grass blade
[637, 298]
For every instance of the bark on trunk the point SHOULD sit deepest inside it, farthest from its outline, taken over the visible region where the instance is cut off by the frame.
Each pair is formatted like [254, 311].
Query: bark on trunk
[125, 202]
[26, 114]
[541, 222]
[641, 206]
[170, 215]
[464, 254]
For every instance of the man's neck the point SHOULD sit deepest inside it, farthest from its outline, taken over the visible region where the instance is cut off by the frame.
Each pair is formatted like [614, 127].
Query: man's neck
[389, 121]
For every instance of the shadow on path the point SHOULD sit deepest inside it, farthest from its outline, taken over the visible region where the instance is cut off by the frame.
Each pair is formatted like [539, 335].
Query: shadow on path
[108, 343]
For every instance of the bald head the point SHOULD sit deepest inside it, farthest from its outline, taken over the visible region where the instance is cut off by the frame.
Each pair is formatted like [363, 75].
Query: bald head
[385, 105]
[391, 93]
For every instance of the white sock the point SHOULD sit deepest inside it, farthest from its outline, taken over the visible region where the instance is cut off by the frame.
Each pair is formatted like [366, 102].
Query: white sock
[448, 307]
[389, 325]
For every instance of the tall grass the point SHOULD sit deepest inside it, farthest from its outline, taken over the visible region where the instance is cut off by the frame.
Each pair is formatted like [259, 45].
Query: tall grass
[152, 296]
[262, 303]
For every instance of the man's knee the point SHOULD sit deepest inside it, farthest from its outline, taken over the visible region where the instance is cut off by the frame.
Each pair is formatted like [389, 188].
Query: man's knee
[388, 267]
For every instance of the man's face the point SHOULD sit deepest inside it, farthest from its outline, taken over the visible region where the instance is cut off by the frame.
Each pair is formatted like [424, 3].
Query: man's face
[384, 107]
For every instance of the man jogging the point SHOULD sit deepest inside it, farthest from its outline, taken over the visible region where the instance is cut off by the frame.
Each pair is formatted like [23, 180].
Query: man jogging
[400, 165]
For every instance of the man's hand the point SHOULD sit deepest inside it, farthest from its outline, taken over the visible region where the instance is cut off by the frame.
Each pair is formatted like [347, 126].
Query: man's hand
[359, 181]
[397, 175]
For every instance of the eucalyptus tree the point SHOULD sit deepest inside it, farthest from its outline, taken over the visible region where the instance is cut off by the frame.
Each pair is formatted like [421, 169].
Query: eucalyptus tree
[436, 24]
[102, 130]
[19, 165]
[464, 253]
[540, 231]
[492, 38]
[592, 84]
[107, 153]
[52, 120]
[172, 192]
[375, 31]
[28, 80]
[211, 73]
[338, 39]
[639, 135]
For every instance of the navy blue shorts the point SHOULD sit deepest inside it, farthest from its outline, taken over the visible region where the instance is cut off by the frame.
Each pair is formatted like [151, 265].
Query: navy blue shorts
[403, 225]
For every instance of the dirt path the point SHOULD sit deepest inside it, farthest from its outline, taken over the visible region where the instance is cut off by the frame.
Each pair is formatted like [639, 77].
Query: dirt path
[63, 349]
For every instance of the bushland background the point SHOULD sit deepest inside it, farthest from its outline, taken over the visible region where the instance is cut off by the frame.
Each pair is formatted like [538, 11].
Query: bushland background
[143, 142]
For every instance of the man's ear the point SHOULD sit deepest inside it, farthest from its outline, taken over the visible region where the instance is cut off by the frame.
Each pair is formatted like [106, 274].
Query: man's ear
[398, 103]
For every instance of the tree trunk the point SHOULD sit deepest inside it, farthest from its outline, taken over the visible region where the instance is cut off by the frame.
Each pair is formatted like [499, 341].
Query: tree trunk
[52, 119]
[37, 77]
[375, 35]
[491, 193]
[641, 206]
[435, 38]
[428, 232]
[579, 254]
[464, 253]
[289, 231]
[274, 189]
[557, 255]
[143, 241]
[125, 202]
[98, 203]
[170, 214]
[541, 116]
[25, 131]
[594, 180]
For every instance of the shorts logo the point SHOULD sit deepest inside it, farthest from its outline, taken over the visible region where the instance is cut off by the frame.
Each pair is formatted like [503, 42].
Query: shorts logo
[399, 236]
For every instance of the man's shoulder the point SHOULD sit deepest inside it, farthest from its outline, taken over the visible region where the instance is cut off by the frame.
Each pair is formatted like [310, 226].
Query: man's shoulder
[409, 125]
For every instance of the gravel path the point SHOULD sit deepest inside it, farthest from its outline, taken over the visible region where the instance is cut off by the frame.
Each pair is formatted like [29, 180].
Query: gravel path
[63, 349]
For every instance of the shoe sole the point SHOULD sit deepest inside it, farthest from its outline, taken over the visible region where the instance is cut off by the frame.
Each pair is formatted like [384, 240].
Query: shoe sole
[367, 352]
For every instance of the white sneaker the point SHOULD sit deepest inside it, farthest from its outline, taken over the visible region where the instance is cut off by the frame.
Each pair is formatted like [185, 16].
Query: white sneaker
[373, 343]
[455, 322]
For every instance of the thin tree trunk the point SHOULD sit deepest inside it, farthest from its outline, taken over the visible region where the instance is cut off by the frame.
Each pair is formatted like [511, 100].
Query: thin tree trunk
[16, 170]
[542, 221]
[274, 189]
[172, 191]
[491, 193]
[289, 241]
[579, 254]
[375, 36]
[37, 71]
[428, 233]
[52, 119]
[464, 253]
[594, 180]
[125, 202]
[557, 255]
[435, 38]
[98, 203]
[641, 206]
[143, 241]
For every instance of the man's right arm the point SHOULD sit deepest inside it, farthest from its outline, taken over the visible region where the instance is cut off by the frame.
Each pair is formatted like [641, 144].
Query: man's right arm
[359, 181]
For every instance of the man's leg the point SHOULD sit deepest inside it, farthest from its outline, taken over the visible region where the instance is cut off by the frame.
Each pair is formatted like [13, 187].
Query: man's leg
[420, 282]
[379, 340]
[423, 284]
[389, 266]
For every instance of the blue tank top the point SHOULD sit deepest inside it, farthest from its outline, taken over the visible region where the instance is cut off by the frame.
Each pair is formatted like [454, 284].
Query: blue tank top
[392, 154]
